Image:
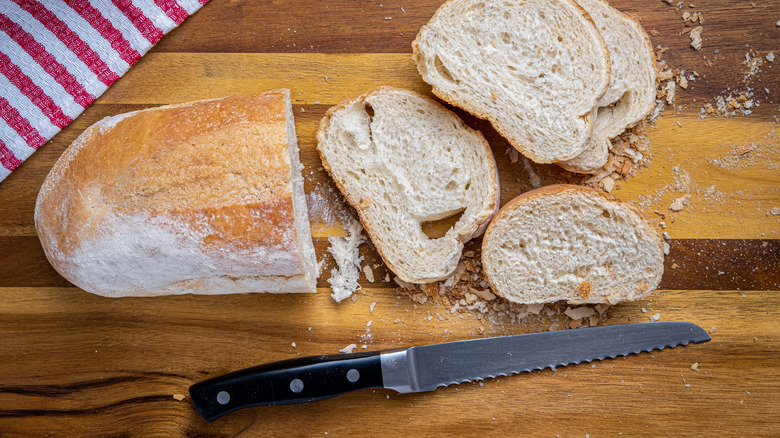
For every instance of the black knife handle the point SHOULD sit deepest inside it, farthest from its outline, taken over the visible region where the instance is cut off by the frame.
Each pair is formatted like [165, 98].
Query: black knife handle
[300, 380]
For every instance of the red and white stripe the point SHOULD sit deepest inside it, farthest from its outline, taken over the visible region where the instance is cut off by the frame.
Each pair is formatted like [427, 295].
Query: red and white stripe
[58, 56]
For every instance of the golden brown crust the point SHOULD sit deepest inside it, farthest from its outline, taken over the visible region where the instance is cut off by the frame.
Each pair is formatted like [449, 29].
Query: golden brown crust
[356, 203]
[219, 169]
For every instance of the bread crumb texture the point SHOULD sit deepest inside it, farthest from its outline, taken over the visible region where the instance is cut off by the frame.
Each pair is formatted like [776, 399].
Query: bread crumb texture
[554, 243]
[405, 162]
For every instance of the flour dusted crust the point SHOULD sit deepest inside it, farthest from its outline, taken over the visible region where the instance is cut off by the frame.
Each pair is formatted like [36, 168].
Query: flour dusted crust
[571, 243]
[203, 197]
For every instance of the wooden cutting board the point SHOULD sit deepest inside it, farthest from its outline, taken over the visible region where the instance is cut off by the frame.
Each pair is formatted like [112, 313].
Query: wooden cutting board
[72, 363]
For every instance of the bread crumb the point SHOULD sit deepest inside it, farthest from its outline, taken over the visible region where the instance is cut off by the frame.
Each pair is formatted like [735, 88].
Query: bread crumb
[371, 308]
[680, 203]
[713, 329]
[775, 211]
[695, 366]
[292, 345]
[654, 32]
[534, 308]
[348, 349]
[601, 308]
[655, 317]
[770, 57]
[419, 298]
[533, 178]
[178, 397]
[695, 36]
[608, 184]
[344, 279]
[579, 312]
[485, 294]
[682, 82]
[670, 91]
[667, 248]
[369, 273]
[745, 148]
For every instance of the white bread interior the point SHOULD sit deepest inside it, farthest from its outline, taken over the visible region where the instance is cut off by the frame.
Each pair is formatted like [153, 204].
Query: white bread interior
[403, 160]
[534, 68]
[571, 243]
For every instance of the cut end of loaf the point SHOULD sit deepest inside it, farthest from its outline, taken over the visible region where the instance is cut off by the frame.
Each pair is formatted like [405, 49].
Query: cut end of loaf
[570, 243]
[202, 197]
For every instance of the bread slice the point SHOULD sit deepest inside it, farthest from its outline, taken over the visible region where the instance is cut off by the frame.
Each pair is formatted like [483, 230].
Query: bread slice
[632, 87]
[403, 160]
[204, 197]
[534, 68]
[565, 242]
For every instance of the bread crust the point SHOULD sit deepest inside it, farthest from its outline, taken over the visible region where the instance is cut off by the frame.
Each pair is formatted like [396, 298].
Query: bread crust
[556, 189]
[355, 203]
[213, 176]
[418, 58]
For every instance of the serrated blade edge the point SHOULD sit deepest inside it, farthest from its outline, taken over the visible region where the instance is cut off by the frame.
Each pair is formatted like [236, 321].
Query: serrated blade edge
[425, 368]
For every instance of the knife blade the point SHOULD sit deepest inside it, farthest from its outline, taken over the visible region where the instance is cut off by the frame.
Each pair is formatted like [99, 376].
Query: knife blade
[427, 367]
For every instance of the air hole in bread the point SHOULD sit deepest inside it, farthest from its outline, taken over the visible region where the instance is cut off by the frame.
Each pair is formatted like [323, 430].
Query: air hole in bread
[605, 213]
[506, 38]
[369, 110]
[438, 228]
[442, 70]
[560, 39]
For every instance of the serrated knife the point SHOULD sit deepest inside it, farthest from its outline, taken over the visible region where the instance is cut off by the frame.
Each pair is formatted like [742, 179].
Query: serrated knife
[427, 367]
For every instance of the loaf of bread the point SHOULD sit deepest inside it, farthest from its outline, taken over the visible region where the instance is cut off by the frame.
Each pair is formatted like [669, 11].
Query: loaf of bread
[631, 93]
[204, 197]
[535, 69]
[403, 160]
[565, 242]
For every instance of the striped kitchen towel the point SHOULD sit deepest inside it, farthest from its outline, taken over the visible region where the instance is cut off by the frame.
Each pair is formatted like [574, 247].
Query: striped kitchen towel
[58, 56]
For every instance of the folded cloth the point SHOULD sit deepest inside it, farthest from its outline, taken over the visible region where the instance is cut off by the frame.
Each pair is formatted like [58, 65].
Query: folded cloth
[58, 56]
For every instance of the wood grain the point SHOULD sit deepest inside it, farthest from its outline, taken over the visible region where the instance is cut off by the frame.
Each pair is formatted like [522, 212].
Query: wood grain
[75, 364]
